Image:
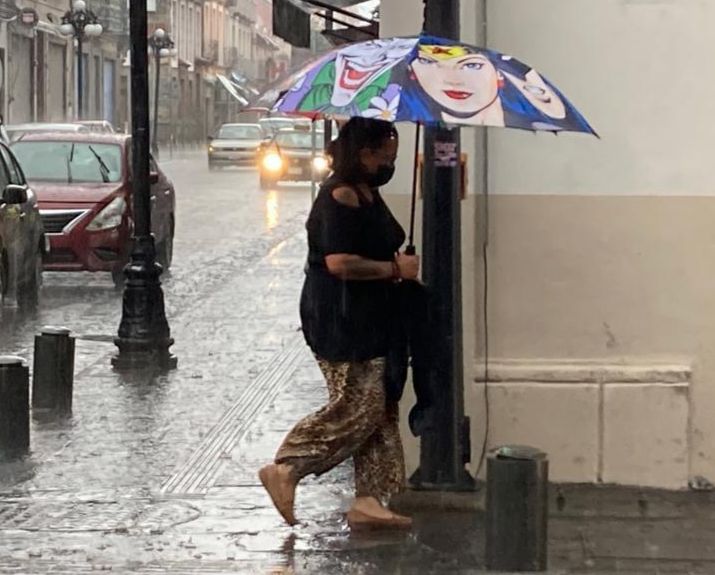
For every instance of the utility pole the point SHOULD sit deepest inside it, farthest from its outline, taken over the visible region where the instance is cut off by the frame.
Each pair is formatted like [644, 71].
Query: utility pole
[445, 449]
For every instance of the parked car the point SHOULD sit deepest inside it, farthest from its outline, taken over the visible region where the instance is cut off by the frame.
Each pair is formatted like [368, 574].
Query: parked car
[289, 156]
[17, 131]
[4, 137]
[83, 185]
[234, 145]
[22, 241]
[99, 126]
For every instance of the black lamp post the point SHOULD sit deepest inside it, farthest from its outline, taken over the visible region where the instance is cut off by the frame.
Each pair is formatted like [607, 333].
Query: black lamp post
[445, 448]
[161, 45]
[144, 338]
[80, 22]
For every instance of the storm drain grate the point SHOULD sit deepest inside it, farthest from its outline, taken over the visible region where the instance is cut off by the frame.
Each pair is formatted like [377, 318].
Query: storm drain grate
[78, 516]
[199, 473]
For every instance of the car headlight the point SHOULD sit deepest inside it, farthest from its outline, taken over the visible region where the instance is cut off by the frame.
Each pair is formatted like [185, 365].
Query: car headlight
[272, 162]
[110, 216]
[211, 149]
[320, 164]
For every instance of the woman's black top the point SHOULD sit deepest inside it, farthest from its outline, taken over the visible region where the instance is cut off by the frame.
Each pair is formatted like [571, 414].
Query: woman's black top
[348, 320]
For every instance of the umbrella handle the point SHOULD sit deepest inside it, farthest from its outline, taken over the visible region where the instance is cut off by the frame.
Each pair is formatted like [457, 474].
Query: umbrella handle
[410, 251]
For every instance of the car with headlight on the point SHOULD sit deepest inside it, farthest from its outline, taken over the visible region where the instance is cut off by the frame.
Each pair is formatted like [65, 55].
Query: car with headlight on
[83, 184]
[292, 157]
[235, 145]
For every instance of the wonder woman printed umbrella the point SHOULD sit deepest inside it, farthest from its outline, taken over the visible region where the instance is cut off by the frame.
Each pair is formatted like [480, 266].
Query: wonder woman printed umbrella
[428, 81]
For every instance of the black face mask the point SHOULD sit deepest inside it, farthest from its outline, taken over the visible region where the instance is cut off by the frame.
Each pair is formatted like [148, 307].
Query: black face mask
[383, 175]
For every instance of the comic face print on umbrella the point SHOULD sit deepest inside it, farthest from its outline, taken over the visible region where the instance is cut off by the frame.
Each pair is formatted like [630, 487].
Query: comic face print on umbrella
[458, 84]
[461, 84]
[344, 84]
[429, 80]
[360, 65]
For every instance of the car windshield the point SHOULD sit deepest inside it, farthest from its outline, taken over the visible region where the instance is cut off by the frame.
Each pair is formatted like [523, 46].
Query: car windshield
[240, 133]
[298, 140]
[71, 162]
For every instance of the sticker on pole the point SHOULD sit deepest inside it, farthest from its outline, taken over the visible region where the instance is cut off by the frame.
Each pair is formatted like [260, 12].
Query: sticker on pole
[445, 154]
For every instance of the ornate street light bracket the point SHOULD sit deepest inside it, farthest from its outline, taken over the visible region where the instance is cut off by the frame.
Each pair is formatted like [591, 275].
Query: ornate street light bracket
[160, 45]
[80, 23]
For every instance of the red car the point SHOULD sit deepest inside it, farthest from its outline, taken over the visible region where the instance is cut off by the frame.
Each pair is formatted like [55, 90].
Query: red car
[83, 184]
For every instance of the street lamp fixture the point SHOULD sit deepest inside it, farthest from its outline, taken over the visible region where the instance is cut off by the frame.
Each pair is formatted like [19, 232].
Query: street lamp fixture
[81, 23]
[162, 46]
[144, 336]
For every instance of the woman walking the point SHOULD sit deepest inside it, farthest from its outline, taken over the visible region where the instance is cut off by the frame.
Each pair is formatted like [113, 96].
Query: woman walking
[353, 263]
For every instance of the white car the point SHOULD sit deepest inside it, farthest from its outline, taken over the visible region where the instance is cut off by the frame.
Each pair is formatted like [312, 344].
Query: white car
[235, 145]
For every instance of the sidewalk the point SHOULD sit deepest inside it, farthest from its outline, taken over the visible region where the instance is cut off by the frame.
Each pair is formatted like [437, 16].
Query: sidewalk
[158, 474]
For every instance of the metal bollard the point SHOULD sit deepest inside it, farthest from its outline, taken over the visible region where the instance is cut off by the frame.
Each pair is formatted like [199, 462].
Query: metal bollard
[517, 509]
[53, 370]
[14, 407]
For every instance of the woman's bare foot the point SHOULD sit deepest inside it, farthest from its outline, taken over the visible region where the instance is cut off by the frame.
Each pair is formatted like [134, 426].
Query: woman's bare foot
[277, 480]
[368, 513]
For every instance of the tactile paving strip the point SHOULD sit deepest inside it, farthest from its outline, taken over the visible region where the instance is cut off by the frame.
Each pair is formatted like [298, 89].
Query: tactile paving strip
[198, 474]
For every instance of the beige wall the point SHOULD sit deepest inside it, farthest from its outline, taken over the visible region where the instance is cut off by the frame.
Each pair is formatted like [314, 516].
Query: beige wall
[635, 68]
[602, 312]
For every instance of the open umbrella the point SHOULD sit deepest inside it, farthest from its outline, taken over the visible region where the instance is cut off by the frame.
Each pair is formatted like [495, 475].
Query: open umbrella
[427, 80]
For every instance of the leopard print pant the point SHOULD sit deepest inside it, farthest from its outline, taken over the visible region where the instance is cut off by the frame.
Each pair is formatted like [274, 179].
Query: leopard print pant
[356, 422]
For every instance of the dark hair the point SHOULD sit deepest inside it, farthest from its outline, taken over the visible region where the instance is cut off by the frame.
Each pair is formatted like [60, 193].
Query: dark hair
[356, 135]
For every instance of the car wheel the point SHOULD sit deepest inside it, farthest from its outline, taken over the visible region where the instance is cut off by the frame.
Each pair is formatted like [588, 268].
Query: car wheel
[212, 167]
[29, 288]
[165, 249]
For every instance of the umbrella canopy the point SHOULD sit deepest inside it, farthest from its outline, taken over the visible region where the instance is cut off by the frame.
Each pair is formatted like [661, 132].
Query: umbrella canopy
[428, 80]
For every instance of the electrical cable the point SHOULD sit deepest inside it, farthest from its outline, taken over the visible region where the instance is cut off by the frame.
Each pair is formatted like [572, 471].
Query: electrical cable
[485, 303]
[485, 298]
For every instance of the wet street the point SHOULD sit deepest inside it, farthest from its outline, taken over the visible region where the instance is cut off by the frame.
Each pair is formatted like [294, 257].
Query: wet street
[231, 302]
[225, 223]
[157, 474]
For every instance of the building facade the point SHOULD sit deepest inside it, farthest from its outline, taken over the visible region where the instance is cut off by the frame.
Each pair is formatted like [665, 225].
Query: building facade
[39, 64]
[217, 42]
[600, 312]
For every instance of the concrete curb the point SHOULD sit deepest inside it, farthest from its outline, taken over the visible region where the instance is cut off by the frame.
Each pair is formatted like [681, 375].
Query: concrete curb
[416, 500]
